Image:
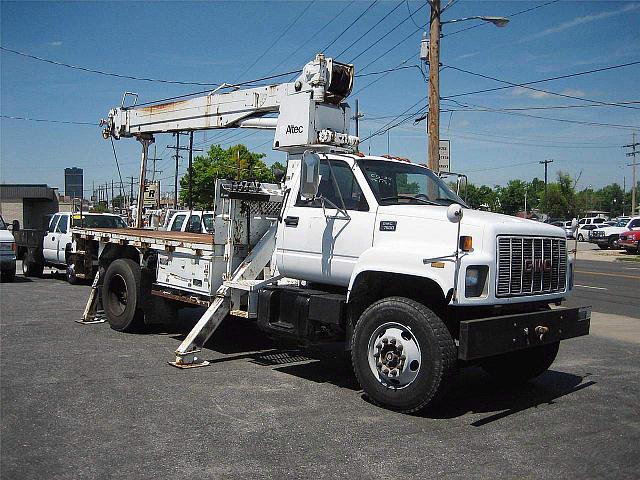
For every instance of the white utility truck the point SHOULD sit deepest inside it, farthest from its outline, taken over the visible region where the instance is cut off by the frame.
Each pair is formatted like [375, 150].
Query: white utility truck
[376, 252]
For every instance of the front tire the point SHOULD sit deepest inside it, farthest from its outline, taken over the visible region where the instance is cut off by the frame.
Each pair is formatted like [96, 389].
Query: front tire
[402, 354]
[522, 365]
[580, 238]
[121, 296]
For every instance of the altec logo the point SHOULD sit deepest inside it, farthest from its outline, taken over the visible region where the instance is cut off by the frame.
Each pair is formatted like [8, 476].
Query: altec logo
[294, 129]
[537, 265]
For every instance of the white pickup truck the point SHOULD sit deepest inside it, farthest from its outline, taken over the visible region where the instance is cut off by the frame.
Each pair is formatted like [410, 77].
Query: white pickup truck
[607, 236]
[55, 247]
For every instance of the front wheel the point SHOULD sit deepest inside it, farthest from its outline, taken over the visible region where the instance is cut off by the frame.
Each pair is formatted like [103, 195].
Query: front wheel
[121, 296]
[8, 275]
[522, 365]
[580, 238]
[402, 353]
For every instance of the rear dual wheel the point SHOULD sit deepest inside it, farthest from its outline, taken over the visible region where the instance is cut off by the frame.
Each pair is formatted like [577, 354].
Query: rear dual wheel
[402, 354]
[121, 296]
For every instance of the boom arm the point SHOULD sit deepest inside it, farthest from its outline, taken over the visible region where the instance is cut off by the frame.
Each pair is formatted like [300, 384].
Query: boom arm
[310, 111]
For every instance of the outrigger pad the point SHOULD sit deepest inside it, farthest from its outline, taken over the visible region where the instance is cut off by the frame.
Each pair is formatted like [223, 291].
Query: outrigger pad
[202, 363]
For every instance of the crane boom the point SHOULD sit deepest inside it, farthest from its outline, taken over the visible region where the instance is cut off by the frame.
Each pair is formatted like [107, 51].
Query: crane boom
[306, 112]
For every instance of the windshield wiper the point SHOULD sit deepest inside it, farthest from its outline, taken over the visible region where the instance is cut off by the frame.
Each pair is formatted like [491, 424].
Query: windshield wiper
[410, 197]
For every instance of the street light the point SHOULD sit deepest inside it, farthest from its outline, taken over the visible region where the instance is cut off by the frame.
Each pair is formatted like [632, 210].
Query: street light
[433, 123]
[497, 21]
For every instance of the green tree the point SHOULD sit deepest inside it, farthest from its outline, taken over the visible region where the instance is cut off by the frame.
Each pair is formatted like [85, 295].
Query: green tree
[511, 197]
[235, 163]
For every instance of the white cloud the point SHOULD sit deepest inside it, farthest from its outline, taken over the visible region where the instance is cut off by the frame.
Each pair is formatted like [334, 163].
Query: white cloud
[594, 17]
[56, 43]
[574, 92]
[521, 91]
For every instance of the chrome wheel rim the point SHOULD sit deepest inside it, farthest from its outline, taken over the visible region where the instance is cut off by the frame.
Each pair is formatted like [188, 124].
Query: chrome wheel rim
[394, 355]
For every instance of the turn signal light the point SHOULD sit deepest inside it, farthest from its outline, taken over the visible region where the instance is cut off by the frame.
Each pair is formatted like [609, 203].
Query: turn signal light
[466, 243]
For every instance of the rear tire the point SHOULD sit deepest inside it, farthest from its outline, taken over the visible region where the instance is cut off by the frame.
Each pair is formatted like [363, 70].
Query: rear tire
[603, 247]
[31, 267]
[71, 270]
[397, 327]
[121, 296]
[522, 365]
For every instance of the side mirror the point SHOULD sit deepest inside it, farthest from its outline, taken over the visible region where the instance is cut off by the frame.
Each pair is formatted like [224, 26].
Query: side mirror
[15, 225]
[309, 175]
[454, 213]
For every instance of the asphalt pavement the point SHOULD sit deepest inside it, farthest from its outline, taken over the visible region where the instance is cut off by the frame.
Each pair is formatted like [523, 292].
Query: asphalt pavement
[88, 402]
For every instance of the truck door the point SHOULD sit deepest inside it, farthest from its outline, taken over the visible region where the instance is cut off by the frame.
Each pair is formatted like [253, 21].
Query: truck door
[324, 245]
[50, 241]
[62, 238]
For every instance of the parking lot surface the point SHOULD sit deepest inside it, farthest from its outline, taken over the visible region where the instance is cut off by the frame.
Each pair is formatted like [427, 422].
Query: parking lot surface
[87, 402]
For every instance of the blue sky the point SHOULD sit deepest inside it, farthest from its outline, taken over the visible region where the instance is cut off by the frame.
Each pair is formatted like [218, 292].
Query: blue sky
[219, 41]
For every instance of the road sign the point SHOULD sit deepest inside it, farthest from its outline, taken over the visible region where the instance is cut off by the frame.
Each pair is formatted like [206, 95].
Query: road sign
[445, 156]
[152, 195]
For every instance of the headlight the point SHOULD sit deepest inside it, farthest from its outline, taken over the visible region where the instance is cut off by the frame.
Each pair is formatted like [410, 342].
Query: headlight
[8, 246]
[475, 281]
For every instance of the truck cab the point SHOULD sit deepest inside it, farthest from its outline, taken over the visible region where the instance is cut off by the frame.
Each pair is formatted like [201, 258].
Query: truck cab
[376, 219]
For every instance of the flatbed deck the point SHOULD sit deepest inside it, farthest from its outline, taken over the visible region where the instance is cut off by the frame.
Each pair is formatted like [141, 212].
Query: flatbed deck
[148, 238]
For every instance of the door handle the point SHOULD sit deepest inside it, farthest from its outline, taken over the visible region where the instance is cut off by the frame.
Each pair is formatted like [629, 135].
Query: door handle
[291, 221]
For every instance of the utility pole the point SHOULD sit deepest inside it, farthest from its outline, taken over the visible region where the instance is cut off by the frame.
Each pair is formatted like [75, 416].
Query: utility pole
[191, 150]
[545, 163]
[112, 196]
[154, 159]
[357, 118]
[433, 117]
[177, 156]
[633, 164]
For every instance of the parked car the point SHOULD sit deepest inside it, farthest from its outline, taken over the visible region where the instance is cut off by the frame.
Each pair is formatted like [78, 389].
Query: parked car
[7, 253]
[630, 241]
[54, 247]
[583, 232]
[567, 226]
[607, 236]
[196, 221]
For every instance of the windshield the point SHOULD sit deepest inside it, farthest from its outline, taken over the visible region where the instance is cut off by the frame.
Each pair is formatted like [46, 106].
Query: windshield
[99, 221]
[395, 183]
[207, 220]
[622, 223]
[3, 226]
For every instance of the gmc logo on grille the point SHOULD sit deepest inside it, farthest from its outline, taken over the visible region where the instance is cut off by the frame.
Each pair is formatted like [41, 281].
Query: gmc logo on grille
[537, 265]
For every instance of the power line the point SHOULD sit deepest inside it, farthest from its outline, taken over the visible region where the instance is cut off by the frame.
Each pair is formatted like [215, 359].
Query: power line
[45, 120]
[101, 72]
[526, 84]
[547, 107]
[371, 5]
[371, 28]
[308, 40]
[515, 14]
[564, 120]
[392, 30]
[277, 39]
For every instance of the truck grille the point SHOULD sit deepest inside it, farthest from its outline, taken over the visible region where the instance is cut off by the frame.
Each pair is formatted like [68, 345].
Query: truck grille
[531, 266]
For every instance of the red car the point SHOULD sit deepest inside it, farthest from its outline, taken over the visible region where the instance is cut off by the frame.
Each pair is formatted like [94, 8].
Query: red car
[630, 241]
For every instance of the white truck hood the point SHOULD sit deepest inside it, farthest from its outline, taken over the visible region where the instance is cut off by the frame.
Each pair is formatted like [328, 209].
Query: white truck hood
[494, 222]
[6, 236]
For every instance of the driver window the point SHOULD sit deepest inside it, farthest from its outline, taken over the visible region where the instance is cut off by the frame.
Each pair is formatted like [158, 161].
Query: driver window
[177, 223]
[53, 223]
[337, 179]
[62, 224]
